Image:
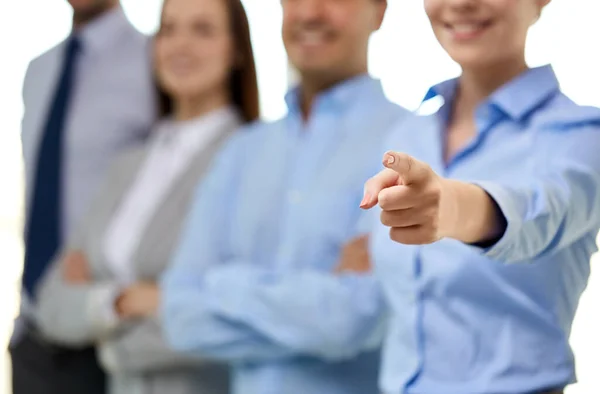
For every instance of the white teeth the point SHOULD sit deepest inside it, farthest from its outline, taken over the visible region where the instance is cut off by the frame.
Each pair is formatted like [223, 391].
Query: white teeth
[466, 28]
[312, 38]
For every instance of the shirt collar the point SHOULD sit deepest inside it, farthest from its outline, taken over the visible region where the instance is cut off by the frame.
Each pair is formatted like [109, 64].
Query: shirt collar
[188, 131]
[102, 31]
[340, 96]
[517, 98]
[527, 92]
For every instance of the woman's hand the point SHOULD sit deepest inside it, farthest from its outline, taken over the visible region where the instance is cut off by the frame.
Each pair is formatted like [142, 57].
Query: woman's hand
[139, 300]
[421, 207]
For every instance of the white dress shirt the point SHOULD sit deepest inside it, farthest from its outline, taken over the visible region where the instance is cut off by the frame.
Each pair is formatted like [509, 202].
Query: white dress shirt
[112, 108]
[173, 147]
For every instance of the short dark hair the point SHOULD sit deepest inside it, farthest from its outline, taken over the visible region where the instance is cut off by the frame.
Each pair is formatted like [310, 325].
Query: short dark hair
[243, 85]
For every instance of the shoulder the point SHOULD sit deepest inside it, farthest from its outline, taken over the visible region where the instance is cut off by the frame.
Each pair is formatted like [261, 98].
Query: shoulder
[39, 64]
[255, 133]
[40, 71]
[391, 113]
[133, 47]
[245, 143]
[135, 36]
[49, 54]
[561, 113]
[409, 121]
[565, 131]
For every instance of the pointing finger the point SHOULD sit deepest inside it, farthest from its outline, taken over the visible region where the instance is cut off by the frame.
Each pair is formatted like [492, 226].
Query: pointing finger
[386, 178]
[409, 169]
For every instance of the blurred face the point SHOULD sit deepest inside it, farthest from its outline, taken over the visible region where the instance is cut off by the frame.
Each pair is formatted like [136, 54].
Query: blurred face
[194, 50]
[483, 32]
[329, 36]
[85, 10]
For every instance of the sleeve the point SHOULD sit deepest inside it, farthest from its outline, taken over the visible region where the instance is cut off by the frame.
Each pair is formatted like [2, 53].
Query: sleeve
[75, 315]
[78, 315]
[141, 348]
[558, 206]
[25, 94]
[218, 306]
[311, 313]
[188, 326]
[239, 312]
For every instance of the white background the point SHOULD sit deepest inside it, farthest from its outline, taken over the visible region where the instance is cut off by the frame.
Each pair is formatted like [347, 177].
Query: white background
[404, 55]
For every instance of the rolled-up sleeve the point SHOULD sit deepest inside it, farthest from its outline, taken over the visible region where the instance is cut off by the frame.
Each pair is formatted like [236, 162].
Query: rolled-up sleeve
[241, 312]
[189, 325]
[311, 313]
[141, 348]
[557, 206]
[217, 305]
[75, 315]
[80, 314]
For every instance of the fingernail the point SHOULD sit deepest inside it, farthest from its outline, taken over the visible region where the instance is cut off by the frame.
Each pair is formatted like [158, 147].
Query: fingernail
[390, 159]
[365, 200]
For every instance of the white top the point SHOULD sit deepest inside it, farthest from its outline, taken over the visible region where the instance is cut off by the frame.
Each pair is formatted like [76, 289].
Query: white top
[173, 147]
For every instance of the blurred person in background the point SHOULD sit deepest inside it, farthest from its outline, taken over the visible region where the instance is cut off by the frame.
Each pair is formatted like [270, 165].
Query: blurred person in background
[86, 100]
[493, 207]
[102, 290]
[254, 280]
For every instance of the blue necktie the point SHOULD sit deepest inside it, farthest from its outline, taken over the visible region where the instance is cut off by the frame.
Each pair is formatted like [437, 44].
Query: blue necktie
[43, 231]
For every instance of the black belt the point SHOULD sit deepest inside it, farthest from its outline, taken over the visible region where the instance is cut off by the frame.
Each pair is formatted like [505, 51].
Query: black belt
[59, 353]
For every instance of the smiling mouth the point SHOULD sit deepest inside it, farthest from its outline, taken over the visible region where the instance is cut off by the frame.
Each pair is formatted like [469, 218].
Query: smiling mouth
[312, 38]
[467, 30]
[181, 65]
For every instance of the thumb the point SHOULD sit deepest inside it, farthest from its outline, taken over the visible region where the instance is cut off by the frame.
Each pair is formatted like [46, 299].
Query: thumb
[409, 169]
[386, 178]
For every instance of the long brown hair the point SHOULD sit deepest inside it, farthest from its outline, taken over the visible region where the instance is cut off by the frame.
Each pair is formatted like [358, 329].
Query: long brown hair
[243, 85]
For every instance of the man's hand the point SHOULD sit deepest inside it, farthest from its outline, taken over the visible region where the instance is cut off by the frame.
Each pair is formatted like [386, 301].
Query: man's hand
[75, 268]
[139, 300]
[355, 256]
[421, 207]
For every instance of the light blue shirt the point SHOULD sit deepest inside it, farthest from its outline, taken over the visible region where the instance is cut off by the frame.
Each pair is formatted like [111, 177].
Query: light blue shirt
[473, 321]
[253, 283]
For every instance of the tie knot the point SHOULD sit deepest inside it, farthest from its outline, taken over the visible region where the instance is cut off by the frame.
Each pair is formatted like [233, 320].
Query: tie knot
[73, 46]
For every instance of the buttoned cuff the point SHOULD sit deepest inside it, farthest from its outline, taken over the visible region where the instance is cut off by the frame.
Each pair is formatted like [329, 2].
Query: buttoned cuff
[100, 307]
[234, 278]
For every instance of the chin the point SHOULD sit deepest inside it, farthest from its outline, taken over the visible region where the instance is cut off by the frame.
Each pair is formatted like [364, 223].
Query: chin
[87, 5]
[312, 65]
[470, 59]
[313, 71]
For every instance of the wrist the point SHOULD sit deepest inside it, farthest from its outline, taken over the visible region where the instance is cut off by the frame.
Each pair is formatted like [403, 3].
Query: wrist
[118, 304]
[449, 209]
[468, 214]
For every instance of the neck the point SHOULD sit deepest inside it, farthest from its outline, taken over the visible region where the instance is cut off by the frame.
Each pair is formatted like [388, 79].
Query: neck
[475, 85]
[313, 85]
[187, 108]
[81, 19]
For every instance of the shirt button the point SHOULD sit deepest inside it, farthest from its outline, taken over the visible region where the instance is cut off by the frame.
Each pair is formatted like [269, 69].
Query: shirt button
[294, 197]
